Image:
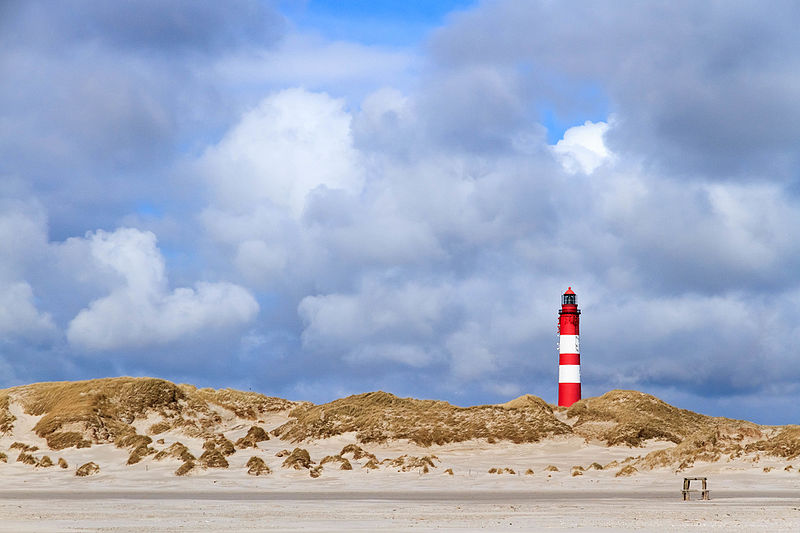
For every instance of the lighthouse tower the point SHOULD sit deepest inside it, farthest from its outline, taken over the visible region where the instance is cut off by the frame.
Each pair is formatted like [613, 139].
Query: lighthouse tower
[569, 352]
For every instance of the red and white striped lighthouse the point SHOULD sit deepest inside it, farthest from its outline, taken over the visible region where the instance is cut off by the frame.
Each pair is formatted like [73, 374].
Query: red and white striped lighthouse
[569, 351]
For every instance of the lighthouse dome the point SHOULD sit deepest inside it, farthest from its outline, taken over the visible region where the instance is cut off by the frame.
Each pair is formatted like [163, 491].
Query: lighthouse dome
[569, 297]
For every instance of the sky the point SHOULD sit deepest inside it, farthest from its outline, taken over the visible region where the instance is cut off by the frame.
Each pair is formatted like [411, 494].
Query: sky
[312, 199]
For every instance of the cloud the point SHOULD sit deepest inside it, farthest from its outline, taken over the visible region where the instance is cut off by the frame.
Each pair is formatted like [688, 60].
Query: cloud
[293, 142]
[582, 149]
[696, 87]
[175, 26]
[19, 316]
[142, 311]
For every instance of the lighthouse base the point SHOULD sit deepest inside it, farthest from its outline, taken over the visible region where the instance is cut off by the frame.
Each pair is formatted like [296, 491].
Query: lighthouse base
[568, 393]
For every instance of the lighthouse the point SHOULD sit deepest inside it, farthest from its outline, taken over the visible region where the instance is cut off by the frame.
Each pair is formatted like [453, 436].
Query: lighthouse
[569, 352]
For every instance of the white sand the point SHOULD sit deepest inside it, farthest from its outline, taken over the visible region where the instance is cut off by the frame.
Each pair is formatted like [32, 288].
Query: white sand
[147, 496]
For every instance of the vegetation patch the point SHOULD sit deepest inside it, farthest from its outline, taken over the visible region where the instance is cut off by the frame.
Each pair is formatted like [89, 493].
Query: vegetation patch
[21, 446]
[380, 416]
[139, 453]
[407, 463]
[624, 417]
[88, 469]
[502, 470]
[185, 468]
[176, 450]
[298, 459]
[26, 458]
[249, 405]
[60, 440]
[254, 435]
[6, 418]
[220, 443]
[344, 464]
[159, 427]
[213, 459]
[257, 467]
[357, 451]
[63, 463]
[625, 471]
[45, 462]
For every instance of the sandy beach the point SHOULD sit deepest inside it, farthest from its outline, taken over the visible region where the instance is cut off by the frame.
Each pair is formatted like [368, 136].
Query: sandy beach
[465, 510]
[564, 480]
[148, 497]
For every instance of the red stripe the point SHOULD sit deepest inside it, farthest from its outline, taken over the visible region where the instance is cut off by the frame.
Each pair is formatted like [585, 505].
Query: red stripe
[569, 324]
[569, 359]
[568, 393]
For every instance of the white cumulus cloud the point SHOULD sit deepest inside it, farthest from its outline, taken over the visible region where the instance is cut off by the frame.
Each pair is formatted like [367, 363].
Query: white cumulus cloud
[582, 149]
[141, 310]
[293, 142]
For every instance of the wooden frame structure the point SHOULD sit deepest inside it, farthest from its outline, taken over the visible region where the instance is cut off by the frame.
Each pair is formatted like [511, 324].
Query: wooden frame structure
[704, 492]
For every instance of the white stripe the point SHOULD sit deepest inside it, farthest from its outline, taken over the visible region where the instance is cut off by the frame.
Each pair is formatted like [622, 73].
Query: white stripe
[569, 344]
[569, 373]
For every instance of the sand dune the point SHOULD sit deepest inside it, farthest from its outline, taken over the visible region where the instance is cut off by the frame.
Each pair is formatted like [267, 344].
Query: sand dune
[152, 420]
[152, 437]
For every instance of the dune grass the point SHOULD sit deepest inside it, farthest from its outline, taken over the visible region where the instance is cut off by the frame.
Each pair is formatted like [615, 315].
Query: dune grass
[633, 417]
[176, 450]
[254, 435]
[249, 405]
[88, 469]
[298, 459]
[6, 418]
[257, 467]
[380, 417]
[185, 468]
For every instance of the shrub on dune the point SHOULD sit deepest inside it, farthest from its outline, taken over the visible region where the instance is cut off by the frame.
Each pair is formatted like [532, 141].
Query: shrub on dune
[257, 467]
[88, 469]
[176, 450]
[254, 435]
[159, 427]
[357, 452]
[213, 459]
[626, 471]
[185, 468]
[26, 458]
[139, 453]
[298, 459]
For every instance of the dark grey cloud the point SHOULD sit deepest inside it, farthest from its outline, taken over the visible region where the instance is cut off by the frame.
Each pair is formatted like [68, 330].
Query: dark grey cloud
[148, 26]
[99, 99]
[698, 87]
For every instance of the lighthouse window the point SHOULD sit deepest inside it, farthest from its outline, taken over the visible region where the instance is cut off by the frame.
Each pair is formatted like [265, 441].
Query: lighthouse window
[568, 299]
